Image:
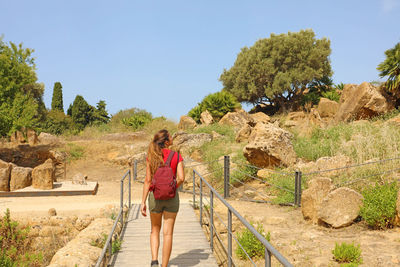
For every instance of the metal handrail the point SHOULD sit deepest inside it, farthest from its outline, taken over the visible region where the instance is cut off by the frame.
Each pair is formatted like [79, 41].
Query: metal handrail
[103, 259]
[269, 249]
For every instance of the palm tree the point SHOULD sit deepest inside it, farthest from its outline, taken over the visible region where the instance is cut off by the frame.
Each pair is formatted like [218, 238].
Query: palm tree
[391, 67]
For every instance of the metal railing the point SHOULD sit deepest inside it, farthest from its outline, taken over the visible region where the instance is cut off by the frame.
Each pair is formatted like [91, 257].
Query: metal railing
[107, 252]
[269, 249]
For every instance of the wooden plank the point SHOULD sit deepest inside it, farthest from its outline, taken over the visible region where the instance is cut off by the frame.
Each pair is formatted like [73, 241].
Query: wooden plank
[190, 246]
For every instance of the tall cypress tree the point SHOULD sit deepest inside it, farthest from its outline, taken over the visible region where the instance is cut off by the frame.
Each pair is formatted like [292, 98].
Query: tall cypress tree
[57, 100]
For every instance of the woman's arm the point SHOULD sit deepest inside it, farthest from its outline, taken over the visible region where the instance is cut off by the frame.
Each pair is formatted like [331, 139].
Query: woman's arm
[146, 186]
[180, 173]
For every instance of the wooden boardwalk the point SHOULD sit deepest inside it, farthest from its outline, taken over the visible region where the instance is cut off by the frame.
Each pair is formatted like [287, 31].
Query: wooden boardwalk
[190, 245]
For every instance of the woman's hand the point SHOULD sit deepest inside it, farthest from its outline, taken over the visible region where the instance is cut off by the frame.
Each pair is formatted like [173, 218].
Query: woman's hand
[143, 209]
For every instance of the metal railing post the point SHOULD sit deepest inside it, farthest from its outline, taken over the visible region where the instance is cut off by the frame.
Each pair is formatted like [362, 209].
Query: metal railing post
[194, 190]
[297, 188]
[201, 201]
[135, 170]
[226, 176]
[229, 238]
[122, 201]
[267, 258]
[130, 188]
[211, 220]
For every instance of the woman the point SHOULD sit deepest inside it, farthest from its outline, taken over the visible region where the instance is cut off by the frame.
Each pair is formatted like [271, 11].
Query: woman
[157, 155]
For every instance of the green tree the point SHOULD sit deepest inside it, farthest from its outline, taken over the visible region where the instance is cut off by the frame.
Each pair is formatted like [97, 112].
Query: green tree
[100, 114]
[277, 70]
[80, 112]
[57, 100]
[218, 104]
[391, 67]
[21, 103]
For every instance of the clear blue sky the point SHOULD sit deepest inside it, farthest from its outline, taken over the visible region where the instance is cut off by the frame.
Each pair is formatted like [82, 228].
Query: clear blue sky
[165, 56]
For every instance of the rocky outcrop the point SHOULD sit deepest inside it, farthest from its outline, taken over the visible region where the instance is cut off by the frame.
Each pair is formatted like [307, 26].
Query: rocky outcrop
[186, 123]
[17, 137]
[361, 102]
[269, 146]
[327, 108]
[206, 118]
[80, 251]
[326, 163]
[20, 178]
[340, 207]
[32, 137]
[185, 142]
[243, 134]
[46, 138]
[237, 119]
[43, 175]
[5, 171]
[260, 117]
[312, 197]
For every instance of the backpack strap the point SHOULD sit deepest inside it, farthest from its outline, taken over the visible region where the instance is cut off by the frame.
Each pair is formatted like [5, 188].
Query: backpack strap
[168, 162]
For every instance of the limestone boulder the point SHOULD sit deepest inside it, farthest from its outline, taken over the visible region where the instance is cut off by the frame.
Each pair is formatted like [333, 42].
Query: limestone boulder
[270, 146]
[186, 123]
[327, 108]
[326, 163]
[79, 251]
[237, 119]
[32, 137]
[206, 118]
[243, 134]
[20, 178]
[260, 117]
[340, 207]
[43, 175]
[17, 137]
[5, 172]
[185, 143]
[79, 178]
[312, 197]
[361, 102]
[46, 138]
[58, 157]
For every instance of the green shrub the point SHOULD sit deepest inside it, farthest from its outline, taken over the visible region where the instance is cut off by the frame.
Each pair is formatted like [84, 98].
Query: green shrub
[139, 119]
[74, 151]
[347, 253]
[116, 245]
[57, 123]
[379, 205]
[331, 95]
[225, 130]
[218, 104]
[14, 243]
[254, 248]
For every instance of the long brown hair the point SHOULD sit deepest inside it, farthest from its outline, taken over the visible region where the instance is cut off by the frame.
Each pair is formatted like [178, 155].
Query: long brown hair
[154, 154]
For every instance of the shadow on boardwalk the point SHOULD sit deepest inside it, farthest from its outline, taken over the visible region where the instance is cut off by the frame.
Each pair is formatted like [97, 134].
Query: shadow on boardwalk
[195, 255]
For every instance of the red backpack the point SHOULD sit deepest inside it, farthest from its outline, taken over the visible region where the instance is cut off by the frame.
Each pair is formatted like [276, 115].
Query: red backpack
[163, 184]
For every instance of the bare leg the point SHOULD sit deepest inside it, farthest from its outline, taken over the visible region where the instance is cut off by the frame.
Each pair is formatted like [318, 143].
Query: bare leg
[168, 231]
[155, 234]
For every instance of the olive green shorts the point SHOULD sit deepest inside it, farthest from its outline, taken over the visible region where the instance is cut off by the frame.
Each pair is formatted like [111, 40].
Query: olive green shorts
[158, 206]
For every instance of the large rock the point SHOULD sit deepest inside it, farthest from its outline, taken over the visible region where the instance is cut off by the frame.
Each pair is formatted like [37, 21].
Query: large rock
[327, 108]
[340, 207]
[260, 117]
[185, 142]
[206, 118]
[5, 171]
[186, 123]
[43, 175]
[269, 146]
[46, 138]
[32, 137]
[326, 163]
[312, 197]
[361, 102]
[80, 251]
[237, 119]
[20, 178]
[243, 134]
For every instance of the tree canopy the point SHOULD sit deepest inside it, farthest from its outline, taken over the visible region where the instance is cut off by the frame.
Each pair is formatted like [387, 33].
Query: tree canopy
[277, 70]
[57, 100]
[21, 97]
[390, 67]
